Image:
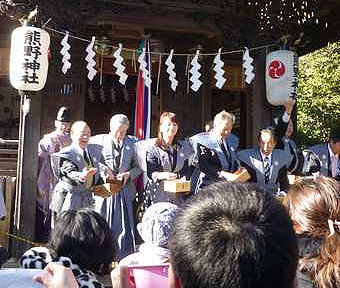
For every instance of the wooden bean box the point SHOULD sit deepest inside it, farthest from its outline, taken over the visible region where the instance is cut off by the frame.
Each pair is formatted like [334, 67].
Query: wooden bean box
[108, 189]
[177, 186]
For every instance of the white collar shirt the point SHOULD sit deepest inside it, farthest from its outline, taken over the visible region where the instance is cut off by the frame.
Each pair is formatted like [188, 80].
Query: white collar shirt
[268, 156]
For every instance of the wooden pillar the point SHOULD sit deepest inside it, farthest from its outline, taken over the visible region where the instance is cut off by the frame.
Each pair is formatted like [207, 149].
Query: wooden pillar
[26, 185]
[260, 111]
[244, 115]
[206, 91]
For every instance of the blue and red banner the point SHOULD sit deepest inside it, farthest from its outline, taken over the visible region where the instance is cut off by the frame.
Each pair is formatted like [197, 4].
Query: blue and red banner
[143, 98]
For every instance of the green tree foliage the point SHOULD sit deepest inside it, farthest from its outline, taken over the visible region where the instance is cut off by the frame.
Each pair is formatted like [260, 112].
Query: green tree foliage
[318, 100]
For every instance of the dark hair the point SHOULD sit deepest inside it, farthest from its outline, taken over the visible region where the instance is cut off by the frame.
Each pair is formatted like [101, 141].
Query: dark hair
[64, 115]
[165, 115]
[312, 202]
[234, 236]
[335, 135]
[270, 130]
[84, 236]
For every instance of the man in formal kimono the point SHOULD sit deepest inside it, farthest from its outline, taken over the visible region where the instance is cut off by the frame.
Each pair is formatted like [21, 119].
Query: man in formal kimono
[76, 168]
[328, 154]
[215, 151]
[118, 153]
[49, 144]
[266, 166]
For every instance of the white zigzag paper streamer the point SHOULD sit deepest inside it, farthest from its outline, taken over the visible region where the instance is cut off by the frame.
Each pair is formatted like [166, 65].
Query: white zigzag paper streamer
[119, 66]
[91, 94]
[145, 72]
[65, 53]
[102, 94]
[220, 80]
[91, 63]
[195, 74]
[171, 72]
[248, 67]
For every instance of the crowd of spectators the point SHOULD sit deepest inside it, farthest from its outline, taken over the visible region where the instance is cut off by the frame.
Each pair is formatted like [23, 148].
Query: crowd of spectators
[228, 235]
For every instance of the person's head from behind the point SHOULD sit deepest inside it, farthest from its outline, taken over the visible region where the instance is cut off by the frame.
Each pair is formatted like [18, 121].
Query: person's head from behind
[234, 236]
[85, 237]
[312, 202]
[119, 125]
[334, 140]
[223, 124]
[314, 205]
[157, 223]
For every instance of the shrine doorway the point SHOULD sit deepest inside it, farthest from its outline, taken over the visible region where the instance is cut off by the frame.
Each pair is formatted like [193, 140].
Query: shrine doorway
[103, 100]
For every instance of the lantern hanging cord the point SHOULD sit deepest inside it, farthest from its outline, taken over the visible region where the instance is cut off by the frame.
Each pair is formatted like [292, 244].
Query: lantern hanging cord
[164, 53]
[48, 21]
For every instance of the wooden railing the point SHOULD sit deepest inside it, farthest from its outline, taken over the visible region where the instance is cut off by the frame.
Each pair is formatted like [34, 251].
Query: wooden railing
[7, 190]
[8, 168]
[8, 157]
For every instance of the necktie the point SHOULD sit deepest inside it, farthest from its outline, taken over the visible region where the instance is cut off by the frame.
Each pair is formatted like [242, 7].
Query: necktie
[266, 167]
[87, 159]
[119, 147]
[89, 178]
[226, 155]
[224, 150]
[117, 156]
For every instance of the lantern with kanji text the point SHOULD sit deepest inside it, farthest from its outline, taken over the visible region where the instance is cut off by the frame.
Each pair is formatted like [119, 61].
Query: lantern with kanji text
[29, 58]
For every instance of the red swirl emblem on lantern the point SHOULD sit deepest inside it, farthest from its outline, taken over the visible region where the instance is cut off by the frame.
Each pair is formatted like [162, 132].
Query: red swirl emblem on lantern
[276, 69]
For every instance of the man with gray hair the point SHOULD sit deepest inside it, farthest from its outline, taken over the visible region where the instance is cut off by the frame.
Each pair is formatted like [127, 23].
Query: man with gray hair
[119, 155]
[215, 151]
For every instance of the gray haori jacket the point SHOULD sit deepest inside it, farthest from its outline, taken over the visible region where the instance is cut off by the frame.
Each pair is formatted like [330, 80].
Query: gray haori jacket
[210, 159]
[69, 182]
[175, 160]
[251, 159]
[142, 147]
[184, 151]
[119, 160]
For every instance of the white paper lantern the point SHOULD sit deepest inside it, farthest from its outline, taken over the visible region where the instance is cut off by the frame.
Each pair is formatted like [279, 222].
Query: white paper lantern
[281, 76]
[29, 58]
